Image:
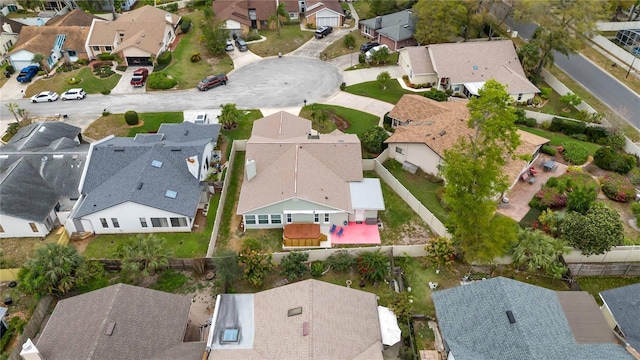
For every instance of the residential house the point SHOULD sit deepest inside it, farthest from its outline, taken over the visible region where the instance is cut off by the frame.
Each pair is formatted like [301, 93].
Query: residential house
[9, 34]
[620, 308]
[465, 67]
[149, 183]
[118, 322]
[426, 128]
[395, 30]
[40, 170]
[293, 175]
[62, 38]
[501, 318]
[241, 16]
[323, 13]
[137, 36]
[309, 319]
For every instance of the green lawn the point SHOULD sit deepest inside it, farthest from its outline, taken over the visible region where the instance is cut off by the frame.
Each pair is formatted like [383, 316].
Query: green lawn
[337, 48]
[233, 192]
[421, 185]
[183, 245]
[554, 106]
[291, 37]
[243, 131]
[359, 121]
[189, 73]
[372, 89]
[558, 139]
[392, 59]
[90, 83]
[595, 284]
[152, 121]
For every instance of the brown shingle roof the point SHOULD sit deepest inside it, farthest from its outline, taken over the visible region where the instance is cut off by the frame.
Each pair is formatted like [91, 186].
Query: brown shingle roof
[439, 125]
[328, 4]
[15, 26]
[40, 39]
[74, 18]
[147, 322]
[585, 319]
[144, 28]
[480, 61]
[343, 324]
[420, 60]
[290, 165]
[238, 10]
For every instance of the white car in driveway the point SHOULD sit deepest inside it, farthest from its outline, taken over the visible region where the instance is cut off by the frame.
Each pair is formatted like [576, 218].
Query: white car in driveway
[369, 54]
[45, 96]
[73, 94]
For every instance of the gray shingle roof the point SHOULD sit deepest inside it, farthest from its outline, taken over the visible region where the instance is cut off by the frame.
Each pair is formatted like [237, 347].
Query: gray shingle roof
[475, 326]
[40, 134]
[148, 325]
[20, 182]
[393, 25]
[120, 170]
[624, 304]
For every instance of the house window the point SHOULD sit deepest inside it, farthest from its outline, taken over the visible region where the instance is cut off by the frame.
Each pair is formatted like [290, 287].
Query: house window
[250, 219]
[104, 223]
[159, 222]
[95, 48]
[456, 88]
[399, 150]
[276, 219]
[178, 222]
[263, 219]
[316, 218]
[519, 97]
[263, 23]
[34, 227]
[293, 16]
[326, 218]
[115, 222]
[143, 222]
[108, 48]
[289, 219]
[366, 30]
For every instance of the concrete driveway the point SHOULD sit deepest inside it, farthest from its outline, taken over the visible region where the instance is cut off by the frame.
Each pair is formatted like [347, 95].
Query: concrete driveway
[241, 59]
[124, 85]
[314, 47]
[14, 90]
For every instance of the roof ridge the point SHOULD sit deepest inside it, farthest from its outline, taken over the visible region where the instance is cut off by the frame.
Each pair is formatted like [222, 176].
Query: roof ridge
[117, 288]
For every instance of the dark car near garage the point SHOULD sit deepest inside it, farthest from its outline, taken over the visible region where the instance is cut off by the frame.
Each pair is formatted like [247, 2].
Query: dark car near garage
[368, 46]
[323, 31]
[241, 44]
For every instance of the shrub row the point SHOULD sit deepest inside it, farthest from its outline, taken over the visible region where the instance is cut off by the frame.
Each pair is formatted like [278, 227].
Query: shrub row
[608, 159]
[575, 153]
[106, 56]
[549, 150]
[617, 187]
[160, 80]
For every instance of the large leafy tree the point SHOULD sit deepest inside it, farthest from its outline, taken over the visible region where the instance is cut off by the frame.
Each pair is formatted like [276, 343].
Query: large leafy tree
[227, 267]
[473, 169]
[383, 7]
[594, 233]
[256, 264]
[438, 21]
[143, 255]
[372, 265]
[52, 270]
[535, 250]
[214, 34]
[294, 265]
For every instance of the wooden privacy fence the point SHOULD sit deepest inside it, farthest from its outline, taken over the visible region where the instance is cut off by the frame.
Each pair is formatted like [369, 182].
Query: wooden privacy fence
[323, 254]
[204, 264]
[609, 269]
[33, 326]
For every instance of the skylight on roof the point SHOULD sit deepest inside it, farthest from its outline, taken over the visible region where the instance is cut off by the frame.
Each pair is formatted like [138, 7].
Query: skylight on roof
[156, 163]
[295, 311]
[475, 67]
[171, 194]
[230, 335]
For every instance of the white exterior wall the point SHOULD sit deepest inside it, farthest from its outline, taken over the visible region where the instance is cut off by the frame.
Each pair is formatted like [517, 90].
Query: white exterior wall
[524, 98]
[233, 25]
[418, 154]
[281, 208]
[405, 63]
[134, 52]
[4, 39]
[207, 154]
[128, 215]
[21, 59]
[326, 17]
[16, 227]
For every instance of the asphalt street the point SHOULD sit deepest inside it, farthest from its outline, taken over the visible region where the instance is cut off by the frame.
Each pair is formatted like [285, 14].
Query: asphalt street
[274, 82]
[619, 98]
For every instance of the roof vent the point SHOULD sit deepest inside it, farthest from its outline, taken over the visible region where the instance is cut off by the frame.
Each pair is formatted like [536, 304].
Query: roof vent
[294, 311]
[306, 329]
[119, 148]
[139, 186]
[109, 330]
[171, 194]
[442, 133]
[186, 132]
[512, 319]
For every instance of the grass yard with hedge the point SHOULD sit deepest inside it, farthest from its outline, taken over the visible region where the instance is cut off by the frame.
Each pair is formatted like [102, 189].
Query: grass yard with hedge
[291, 37]
[60, 82]
[372, 89]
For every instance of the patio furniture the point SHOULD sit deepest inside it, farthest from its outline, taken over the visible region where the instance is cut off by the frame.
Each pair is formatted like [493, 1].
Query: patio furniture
[524, 176]
[333, 229]
[532, 180]
[549, 165]
[340, 232]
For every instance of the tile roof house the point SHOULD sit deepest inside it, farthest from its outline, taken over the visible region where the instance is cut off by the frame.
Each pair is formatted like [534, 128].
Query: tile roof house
[149, 183]
[426, 128]
[621, 308]
[324, 13]
[40, 170]
[395, 30]
[62, 38]
[241, 16]
[294, 175]
[9, 34]
[137, 36]
[465, 67]
[501, 318]
[118, 322]
[309, 319]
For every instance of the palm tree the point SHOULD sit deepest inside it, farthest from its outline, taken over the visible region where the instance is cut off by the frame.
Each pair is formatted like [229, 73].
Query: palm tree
[14, 109]
[547, 42]
[529, 55]
[536, 250]
[51, 271]
[37, 59]
[281, 11]
[144, 255]
[229, 116]
[227, 267]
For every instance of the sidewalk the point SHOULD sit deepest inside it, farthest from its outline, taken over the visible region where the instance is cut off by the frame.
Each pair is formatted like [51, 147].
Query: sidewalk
[361, 103]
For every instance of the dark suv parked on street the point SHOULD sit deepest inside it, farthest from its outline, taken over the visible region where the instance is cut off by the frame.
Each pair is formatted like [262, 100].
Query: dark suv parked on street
[212, 81]
[323, 31]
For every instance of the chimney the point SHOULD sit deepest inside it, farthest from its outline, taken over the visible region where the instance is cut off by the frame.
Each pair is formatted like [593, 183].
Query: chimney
[29, 351]
[251, 169]
[378, 22]
[168, 18]
[6, 27]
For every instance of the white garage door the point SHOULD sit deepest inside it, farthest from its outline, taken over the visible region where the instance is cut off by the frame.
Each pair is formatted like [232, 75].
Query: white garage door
[20, 64]
[327, 21]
